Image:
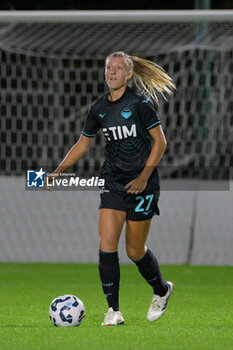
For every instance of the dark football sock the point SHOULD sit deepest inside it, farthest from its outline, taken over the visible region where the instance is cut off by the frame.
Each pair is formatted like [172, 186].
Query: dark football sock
[149, 268]
[109, 270]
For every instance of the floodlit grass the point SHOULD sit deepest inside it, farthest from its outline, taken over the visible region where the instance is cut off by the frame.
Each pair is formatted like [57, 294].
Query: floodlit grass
[199, 313]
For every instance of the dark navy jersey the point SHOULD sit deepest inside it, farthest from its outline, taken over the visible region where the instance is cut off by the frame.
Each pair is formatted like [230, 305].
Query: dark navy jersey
[125, 124]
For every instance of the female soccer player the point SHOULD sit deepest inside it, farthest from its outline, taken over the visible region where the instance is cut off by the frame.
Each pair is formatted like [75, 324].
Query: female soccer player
[128, 121]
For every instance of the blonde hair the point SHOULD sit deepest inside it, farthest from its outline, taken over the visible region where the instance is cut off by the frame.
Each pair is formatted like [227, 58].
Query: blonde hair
[148, 76]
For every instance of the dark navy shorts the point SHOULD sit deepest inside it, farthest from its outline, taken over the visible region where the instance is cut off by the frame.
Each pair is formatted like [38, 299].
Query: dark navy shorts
[138, 207]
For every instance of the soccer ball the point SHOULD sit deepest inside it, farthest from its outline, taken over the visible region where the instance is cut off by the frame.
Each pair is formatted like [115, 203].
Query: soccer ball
[66, 311]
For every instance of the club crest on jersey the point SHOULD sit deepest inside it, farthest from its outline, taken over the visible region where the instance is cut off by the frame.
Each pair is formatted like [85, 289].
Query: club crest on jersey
[126, 113]
[101, 115]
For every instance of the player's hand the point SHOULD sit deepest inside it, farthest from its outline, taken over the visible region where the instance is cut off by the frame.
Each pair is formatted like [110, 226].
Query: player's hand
[136, 185]
[48, 179]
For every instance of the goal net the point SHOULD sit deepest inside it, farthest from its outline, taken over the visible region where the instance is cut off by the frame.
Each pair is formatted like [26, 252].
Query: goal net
[51, 74]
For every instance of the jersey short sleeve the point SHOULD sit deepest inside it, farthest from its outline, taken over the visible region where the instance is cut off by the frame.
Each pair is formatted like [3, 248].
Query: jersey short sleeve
[148, 113]
[91, 125]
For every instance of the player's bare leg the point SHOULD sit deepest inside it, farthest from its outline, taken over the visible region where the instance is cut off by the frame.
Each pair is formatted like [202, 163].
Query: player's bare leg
[136, 236]
[110, 226]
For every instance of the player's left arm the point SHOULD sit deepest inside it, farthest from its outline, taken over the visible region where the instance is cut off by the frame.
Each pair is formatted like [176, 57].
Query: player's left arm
[139, 184]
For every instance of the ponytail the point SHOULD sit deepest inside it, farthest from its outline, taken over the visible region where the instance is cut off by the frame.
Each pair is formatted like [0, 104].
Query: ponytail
[148, 76]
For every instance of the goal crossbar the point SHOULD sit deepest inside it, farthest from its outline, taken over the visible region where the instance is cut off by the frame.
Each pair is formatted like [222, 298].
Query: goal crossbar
[119, 16]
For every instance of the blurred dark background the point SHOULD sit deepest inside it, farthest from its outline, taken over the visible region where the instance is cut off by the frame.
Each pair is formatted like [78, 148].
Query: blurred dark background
[111, 5]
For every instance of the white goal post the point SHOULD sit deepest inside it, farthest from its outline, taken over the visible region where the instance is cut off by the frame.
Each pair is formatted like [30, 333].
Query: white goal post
[116, 16]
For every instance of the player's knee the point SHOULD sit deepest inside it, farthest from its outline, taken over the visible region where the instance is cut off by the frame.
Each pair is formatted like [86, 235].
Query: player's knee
[134, 253]
[107, 245]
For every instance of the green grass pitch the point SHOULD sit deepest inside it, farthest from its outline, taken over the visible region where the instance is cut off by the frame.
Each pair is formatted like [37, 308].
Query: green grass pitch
[199, 313]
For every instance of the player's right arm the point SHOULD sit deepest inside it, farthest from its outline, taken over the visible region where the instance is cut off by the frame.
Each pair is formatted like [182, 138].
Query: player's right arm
[74, 154]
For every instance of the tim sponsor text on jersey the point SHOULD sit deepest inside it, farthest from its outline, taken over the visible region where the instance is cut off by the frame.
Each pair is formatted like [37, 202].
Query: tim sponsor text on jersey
[120, 132]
